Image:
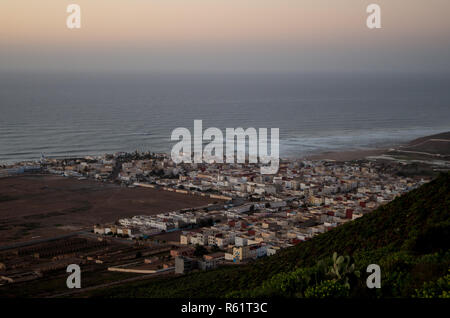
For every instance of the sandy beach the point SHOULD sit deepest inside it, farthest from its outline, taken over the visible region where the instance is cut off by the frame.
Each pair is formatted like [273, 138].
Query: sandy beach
[347, 155]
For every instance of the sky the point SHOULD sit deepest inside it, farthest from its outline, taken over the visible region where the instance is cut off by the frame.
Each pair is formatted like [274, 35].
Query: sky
[225, 36]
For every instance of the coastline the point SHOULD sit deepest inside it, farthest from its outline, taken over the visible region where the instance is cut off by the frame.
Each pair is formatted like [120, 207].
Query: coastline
[345, 154]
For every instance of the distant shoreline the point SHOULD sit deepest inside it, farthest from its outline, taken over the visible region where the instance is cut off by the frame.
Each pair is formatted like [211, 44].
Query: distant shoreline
[338, 155]
[347, 155]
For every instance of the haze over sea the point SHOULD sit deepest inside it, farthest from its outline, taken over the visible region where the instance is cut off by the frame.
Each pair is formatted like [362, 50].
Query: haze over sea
[63, 115]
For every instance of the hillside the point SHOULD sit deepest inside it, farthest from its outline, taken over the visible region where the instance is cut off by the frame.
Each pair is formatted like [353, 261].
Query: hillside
[408, 238]
[444, 135]
[433, 146]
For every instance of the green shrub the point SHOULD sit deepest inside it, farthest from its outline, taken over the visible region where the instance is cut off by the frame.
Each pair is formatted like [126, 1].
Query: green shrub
[328, 289]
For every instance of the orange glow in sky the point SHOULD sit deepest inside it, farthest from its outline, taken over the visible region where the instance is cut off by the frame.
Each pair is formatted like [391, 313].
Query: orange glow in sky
[193, 26]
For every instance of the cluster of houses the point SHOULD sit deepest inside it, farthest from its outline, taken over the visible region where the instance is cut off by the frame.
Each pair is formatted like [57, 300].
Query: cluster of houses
[87, 167]
[258, 214]
[113, 230]
[171, 221]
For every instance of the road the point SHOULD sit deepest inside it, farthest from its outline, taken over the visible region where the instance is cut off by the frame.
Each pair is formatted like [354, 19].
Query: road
[128, 280]
[59, 237]
[43, 240]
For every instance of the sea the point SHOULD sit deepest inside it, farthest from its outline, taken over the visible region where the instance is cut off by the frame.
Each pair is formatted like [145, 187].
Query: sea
[77, 114]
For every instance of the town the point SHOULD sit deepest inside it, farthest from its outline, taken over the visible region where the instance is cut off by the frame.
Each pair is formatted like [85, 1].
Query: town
[252, 216]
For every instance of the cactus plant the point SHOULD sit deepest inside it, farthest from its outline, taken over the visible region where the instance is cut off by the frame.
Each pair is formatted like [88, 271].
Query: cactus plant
[341, 269]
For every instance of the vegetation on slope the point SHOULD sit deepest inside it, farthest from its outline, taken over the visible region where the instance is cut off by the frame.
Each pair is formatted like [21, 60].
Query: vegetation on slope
[408, 238]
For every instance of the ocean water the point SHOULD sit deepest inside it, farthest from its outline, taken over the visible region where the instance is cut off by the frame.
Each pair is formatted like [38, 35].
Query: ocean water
[62, 115]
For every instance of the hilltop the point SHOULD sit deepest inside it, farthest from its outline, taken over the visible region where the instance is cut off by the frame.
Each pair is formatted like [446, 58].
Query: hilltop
[444, 135]
[424, 148]
[434, 144]
[407, 237]
[429, 147]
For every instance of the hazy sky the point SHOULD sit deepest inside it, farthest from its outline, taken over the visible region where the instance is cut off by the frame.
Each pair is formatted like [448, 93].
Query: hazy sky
[225, 35]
